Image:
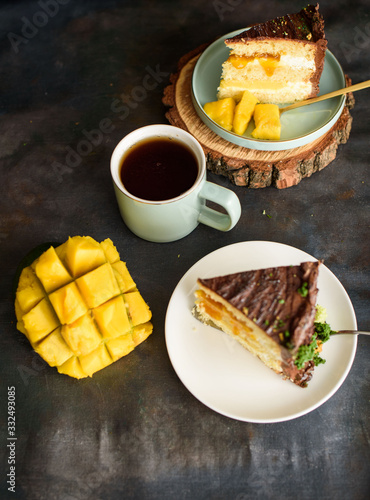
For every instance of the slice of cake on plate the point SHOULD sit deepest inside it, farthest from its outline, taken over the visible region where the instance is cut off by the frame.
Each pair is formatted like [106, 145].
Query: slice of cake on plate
[271, 312]
[280, 61]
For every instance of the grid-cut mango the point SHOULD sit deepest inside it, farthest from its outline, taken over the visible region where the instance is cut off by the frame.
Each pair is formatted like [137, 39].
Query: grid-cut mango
[221, 112]
[80, 308]
[244, 112]
[267, 122]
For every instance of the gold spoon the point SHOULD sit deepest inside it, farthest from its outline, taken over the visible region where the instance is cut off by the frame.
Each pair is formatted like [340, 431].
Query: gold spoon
[351, 88]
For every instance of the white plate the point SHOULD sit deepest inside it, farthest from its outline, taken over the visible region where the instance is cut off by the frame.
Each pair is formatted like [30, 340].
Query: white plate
[223, 375]
[298, 127]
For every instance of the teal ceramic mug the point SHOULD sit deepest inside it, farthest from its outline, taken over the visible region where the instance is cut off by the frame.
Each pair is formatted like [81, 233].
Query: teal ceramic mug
[171, 219]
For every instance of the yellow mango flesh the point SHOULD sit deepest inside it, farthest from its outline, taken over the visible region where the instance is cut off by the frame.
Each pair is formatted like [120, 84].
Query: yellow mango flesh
[68, 303]
[40, 321]
[120, 346]
[98, 285]
[267, 122]
[221, 112]
[83, 254]
[50, 271]
[82, 336]
[30, 290]
[244, 112]
[81, 323]
[137, 307]
[112, 317]
[53, 349]
[110, 251]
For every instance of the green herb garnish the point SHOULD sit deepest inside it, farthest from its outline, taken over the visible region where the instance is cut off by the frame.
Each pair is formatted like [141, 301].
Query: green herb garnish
[308, 352]
[303, 290]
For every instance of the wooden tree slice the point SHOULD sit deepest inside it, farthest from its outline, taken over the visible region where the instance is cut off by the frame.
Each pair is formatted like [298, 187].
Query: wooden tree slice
[244, 166]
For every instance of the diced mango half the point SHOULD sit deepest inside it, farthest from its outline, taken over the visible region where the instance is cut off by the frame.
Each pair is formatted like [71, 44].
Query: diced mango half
[221, 112]
[244, 112]
[80, 308]
[50, 271]
[267, 122]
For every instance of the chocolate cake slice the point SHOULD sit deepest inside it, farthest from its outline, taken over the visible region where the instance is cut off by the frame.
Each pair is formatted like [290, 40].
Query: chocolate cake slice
[280, 61]
[271, 312]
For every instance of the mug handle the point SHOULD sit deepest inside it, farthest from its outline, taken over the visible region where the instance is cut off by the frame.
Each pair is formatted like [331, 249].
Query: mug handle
[226, 199]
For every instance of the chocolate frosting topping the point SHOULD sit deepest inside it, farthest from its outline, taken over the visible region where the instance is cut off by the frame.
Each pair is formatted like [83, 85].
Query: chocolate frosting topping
[306, 25]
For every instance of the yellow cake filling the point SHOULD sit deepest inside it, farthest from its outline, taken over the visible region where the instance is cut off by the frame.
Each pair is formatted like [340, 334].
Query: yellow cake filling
[269, 62]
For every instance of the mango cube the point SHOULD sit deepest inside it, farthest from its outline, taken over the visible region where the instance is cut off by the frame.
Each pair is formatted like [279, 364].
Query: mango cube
[40, 321]
[73, 368]
[112, 318]
[138, 309]
[221, 112]
[141, 332]
[83, 254]
[30, 291]
[120, 346]
[244, 112]
[50, 271]
[53, 349]
[267, 121]
[110, 251]
[98, 285]
[123, 277]
[82, 336]
[68, 303]
[80, 308]
[95, 360]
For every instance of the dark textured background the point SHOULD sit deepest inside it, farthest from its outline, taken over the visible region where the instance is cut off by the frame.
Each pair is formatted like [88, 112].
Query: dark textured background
[134, 431]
